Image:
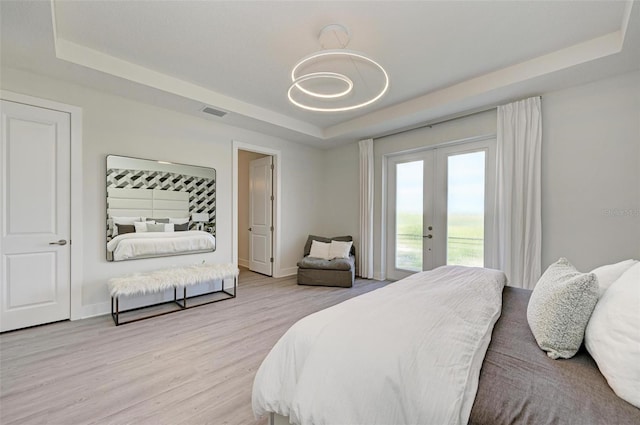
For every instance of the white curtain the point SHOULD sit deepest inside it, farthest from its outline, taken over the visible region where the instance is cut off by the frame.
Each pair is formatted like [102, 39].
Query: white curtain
[517, 220]
[366, 209]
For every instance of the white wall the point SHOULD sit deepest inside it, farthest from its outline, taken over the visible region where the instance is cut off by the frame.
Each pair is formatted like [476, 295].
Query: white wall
[115, 125]
[340, 204]
[591, 173]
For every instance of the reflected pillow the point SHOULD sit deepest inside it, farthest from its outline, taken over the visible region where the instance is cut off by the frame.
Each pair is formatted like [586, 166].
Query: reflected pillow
[141, 226]
[121, 220]
[184, 220]
[125, 228]
[155, 227]
[181, 227]
[157, 220]
[159, 227]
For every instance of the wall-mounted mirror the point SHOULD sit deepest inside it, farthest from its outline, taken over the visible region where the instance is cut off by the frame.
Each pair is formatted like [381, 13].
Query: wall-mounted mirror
[158, 208]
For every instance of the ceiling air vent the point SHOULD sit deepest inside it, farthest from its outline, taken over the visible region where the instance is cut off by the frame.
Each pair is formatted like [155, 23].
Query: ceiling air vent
[213, 111]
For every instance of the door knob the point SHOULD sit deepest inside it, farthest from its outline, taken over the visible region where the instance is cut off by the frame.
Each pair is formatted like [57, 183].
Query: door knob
[428, 236]
[60, 242]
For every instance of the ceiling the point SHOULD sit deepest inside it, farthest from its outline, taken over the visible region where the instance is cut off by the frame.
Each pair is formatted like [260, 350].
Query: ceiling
[444, 58]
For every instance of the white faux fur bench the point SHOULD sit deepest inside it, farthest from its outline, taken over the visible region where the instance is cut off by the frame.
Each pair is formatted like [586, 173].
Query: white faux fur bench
[174, 278]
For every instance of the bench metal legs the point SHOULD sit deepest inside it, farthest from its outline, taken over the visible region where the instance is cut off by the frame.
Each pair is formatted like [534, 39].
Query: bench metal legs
[181, 303]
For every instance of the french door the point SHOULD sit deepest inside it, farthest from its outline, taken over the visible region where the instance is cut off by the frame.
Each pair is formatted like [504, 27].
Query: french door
[439, 208]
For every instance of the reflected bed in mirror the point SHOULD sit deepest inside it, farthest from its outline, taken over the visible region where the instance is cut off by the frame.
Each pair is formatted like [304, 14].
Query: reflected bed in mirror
[158, 209]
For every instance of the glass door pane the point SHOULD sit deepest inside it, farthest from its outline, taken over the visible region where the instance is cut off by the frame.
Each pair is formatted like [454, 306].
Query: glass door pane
[466, 209]
[409, 215]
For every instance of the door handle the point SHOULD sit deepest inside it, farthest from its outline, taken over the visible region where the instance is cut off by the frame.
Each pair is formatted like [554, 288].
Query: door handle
[60, 242]
[428, 236]
[249, 228]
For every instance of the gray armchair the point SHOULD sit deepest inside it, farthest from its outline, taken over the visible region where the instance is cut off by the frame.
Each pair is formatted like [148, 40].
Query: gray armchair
[319, 272]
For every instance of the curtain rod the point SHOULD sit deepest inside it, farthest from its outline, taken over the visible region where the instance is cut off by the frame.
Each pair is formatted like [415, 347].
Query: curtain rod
[430, 125]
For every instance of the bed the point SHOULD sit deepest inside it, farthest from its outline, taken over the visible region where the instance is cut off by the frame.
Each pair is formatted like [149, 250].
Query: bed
[501, 377]
[127, 207]
[154, 244]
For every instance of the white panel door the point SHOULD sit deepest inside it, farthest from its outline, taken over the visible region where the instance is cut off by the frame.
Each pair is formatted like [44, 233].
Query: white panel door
[35, 216]
[260, 215]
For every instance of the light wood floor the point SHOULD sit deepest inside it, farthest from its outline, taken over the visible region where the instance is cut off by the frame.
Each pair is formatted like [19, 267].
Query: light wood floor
[192, 367]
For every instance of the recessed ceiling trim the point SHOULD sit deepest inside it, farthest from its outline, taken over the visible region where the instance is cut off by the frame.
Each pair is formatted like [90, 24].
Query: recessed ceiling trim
[626, 18]
[556, 61]
[91, 58]
[398, 115]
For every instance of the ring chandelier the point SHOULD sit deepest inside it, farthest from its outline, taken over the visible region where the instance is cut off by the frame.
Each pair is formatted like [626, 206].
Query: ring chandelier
[299, 78]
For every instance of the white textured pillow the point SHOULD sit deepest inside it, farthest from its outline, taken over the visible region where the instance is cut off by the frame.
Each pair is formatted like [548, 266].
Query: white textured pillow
[610, 273]
[613, 335]
[339, 249]
[319, 250]
[141, 226]
[559, 308]
[169, 227]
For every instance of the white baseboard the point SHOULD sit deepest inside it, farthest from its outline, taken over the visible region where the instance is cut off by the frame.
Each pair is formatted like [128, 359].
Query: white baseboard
[243, 263]
[289, 271]
[378, 276]
[92, 310]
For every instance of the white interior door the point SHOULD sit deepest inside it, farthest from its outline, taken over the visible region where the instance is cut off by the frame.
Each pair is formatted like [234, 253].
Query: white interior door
[35, 216]
[261, 215]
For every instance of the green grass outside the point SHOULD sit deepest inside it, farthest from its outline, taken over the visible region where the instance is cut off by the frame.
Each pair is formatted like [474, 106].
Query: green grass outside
[465, 245]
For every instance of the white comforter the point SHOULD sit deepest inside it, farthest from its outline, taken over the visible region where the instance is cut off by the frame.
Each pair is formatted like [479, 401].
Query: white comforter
[140, 245]
[409, 353]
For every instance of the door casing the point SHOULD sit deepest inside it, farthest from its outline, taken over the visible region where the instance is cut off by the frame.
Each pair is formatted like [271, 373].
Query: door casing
[278, 271]
[78, 311]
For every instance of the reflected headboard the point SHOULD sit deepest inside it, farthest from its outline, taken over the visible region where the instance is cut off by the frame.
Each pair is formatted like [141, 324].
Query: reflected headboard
[145, 203]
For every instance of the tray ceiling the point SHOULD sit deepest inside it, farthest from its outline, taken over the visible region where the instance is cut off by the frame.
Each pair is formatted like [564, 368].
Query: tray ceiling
[443, 58]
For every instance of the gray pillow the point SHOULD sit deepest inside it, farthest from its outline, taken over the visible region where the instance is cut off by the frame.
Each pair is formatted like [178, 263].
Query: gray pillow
[125, 228]
[180, 227]
[158, 220]
[559, 308]
[159, 227]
